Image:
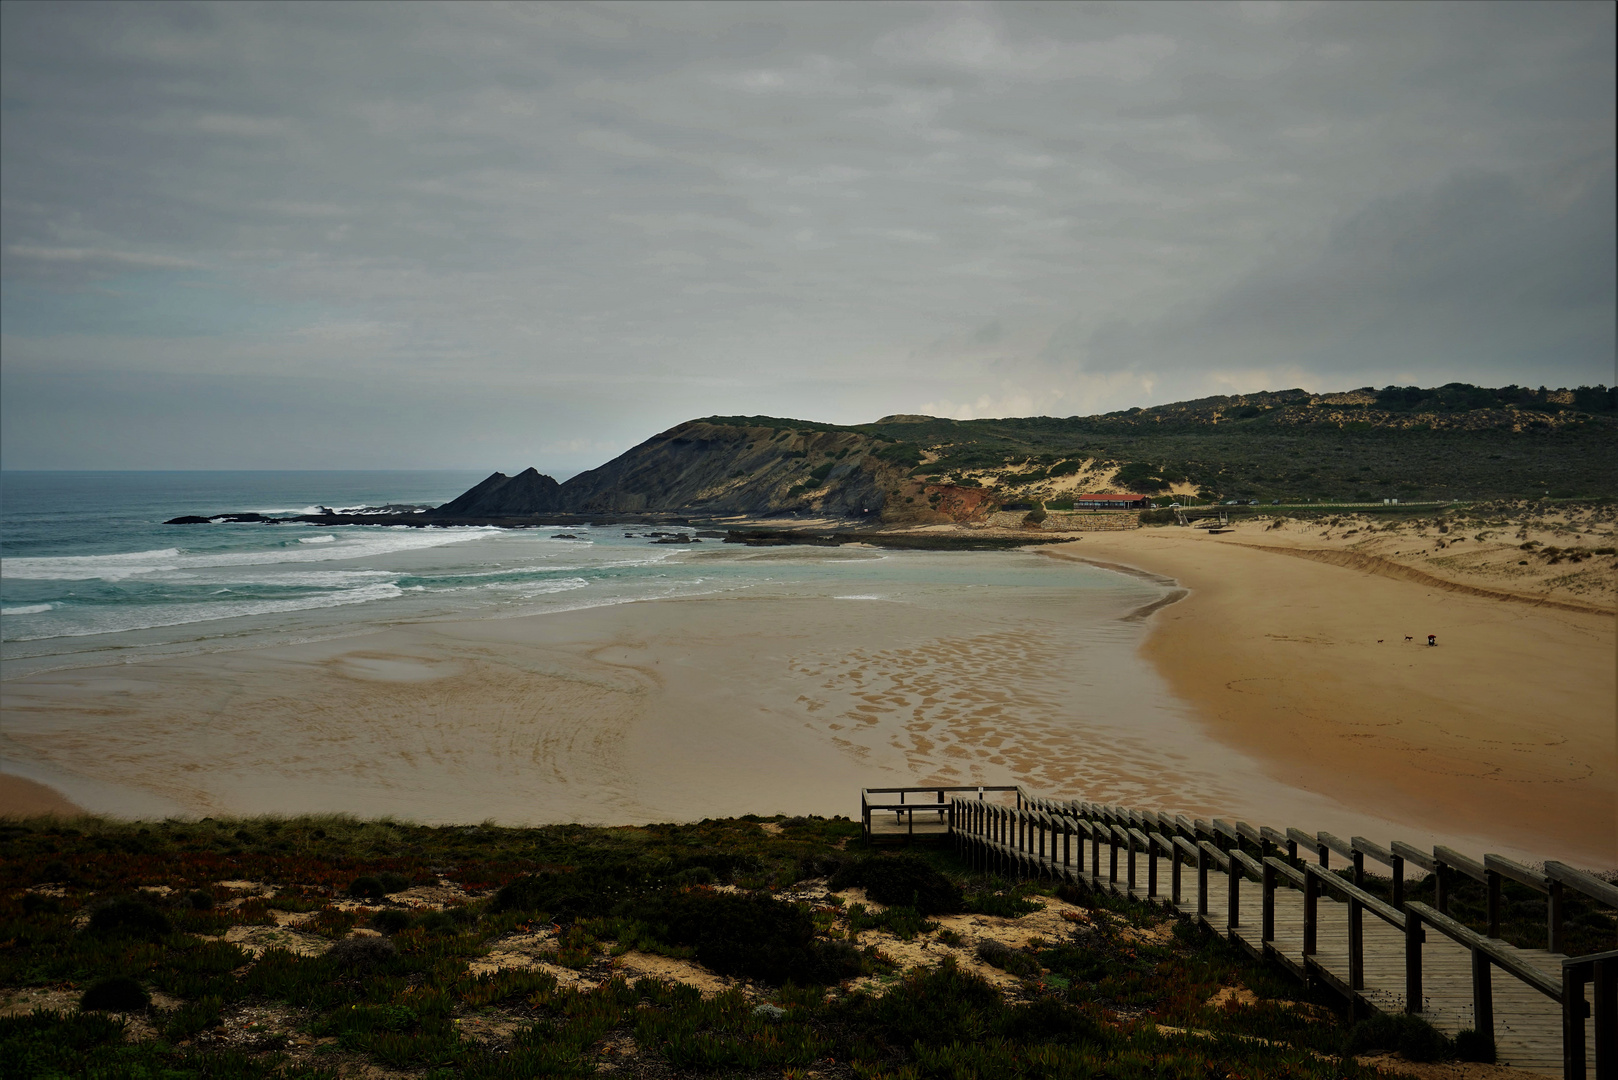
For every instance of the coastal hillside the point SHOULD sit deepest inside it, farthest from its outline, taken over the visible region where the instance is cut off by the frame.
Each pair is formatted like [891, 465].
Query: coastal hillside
[1452, 442]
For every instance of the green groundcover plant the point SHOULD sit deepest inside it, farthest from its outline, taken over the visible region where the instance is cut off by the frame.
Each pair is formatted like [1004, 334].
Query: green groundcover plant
[121, 927]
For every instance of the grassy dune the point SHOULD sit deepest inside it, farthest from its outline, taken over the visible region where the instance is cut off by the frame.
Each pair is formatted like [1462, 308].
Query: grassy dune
[329, 946]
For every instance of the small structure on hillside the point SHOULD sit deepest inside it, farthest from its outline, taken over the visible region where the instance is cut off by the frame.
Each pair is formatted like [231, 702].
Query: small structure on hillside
[1111, 501]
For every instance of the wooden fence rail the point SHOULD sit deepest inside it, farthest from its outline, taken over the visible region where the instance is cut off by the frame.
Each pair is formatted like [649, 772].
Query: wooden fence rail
[1310, 918]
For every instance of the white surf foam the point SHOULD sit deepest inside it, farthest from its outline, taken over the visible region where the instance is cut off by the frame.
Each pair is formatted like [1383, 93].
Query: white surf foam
[369, 543]
[27, 609]
[150, 616]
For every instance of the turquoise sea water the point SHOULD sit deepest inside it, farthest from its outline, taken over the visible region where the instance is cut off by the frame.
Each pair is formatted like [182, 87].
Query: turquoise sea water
[87, 567]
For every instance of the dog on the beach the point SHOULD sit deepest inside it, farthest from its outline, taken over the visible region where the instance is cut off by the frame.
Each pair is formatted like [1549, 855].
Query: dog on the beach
[1409, 637]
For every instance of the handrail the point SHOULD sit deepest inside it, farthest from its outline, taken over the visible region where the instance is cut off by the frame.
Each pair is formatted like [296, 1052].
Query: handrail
[1349, 891]
[1374, 850]
[1337, 844]
[1578, 880]
[1215, 856]
[1498, 954]
[1414, 854]
[963, 787]
[1285, 869]
[1023, 840]
[1464, 863]
[1517, 872]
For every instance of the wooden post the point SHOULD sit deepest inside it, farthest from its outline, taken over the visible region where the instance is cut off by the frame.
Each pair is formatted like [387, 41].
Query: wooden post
[1267, 933]
[1606, 1016]
[1553, 917]
[1441, 888]
[1359, 870]
[1412, 962]
[1356, 945]
[1174, 874]
[1398, 864]
[1492, 881]
[1095, 853]
[1311, 911]
[1482, 996]
[1112, 841]
[1202, 882]
[1233, 901]
[1151, 867]
[1129, 837]
[1572, 1022]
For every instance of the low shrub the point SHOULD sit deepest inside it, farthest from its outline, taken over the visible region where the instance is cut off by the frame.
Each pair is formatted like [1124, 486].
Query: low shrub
[119, 993]
[1011, 961]
[362, 955]
[1004, 905]
[392, 882]
[391, 920]
[901, 880]
[367, 887]
[1410, 1035]
[756, 935]
[129, 917]
[1474, 1046]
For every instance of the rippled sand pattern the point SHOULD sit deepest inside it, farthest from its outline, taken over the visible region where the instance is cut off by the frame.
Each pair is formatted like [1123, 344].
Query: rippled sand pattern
[992, 708]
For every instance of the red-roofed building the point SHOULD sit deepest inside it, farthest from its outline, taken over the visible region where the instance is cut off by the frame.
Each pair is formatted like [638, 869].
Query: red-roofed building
[1111, 501]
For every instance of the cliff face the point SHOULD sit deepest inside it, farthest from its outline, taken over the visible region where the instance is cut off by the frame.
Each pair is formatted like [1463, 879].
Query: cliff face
[723, 468]
[720, 469]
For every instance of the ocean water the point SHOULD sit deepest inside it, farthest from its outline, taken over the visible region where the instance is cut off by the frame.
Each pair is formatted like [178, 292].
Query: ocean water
[88, 572]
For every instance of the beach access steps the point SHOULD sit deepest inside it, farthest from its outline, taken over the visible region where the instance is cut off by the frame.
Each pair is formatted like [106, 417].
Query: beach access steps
[1274, 894]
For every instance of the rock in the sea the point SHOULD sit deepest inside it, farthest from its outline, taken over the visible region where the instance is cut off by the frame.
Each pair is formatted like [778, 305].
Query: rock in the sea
[529, 492]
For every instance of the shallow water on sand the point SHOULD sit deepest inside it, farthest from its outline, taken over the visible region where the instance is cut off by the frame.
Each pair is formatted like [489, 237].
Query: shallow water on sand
[561, 674]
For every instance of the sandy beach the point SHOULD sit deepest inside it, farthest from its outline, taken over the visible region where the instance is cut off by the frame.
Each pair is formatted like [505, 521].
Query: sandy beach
[21, 797]
[1259, 674]
[1312, 658]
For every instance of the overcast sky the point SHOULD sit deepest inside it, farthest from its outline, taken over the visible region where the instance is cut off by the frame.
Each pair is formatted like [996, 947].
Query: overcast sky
[498, 235]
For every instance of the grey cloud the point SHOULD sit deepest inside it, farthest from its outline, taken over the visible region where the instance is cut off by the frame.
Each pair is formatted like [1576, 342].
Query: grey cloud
[1467, 280]
[627, 214]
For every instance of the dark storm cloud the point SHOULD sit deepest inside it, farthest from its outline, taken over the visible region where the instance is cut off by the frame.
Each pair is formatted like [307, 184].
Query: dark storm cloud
[511, 234]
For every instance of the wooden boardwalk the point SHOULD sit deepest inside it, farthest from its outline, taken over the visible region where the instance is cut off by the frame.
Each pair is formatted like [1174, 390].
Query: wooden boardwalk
[1289, 907]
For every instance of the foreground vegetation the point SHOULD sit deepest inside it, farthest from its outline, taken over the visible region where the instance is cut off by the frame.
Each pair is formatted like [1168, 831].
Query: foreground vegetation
[322, 947]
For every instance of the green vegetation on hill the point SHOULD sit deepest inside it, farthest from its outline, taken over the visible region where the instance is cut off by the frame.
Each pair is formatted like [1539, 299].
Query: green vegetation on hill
[1455, 441]
[114, 915]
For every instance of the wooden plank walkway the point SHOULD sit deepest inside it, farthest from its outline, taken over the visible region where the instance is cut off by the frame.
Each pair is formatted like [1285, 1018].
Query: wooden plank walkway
[1107, 849]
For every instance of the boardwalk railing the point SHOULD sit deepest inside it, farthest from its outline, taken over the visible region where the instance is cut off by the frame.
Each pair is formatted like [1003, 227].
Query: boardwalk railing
[1311, 919]
[928, 801]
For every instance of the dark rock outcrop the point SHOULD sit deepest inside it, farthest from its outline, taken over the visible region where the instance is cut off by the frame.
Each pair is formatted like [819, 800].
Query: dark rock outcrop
[528, 493]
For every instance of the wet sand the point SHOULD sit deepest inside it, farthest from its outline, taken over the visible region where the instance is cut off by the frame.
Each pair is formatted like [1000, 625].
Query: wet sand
[1258, 691]
[1295, 654]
